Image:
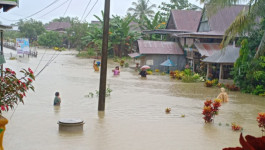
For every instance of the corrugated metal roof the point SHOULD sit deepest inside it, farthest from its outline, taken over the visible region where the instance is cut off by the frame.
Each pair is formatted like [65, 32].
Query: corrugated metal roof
[53, 26]
[227, 55]
[159, 47]
[224, 17]
[187, 20]
[207, 49]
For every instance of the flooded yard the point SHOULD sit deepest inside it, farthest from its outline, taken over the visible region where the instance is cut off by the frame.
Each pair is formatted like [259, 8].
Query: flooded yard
[134, 118]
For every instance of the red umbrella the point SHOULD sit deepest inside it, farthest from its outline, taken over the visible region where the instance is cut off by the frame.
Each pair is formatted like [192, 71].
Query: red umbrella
[145, 67]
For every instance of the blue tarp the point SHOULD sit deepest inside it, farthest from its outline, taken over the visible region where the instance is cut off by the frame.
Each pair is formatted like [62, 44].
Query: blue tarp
[168, 63]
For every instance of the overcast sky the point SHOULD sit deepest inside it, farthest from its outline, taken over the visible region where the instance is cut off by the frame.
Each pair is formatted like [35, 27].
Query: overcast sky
[76, 9]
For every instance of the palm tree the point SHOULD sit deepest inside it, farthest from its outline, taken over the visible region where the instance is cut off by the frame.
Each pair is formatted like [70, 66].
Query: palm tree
[141, 9]
[245, 20]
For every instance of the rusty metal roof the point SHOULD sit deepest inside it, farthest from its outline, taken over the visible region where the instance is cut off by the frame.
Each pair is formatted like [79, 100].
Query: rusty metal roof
[187, 20]
[224, 17]
[159, 47]
[207, 49]
[227, 55]
[54, 26]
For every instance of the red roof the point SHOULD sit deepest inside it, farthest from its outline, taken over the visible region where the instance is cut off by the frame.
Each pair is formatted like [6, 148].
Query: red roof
[159, 47]
[207, 49]
[187, 20]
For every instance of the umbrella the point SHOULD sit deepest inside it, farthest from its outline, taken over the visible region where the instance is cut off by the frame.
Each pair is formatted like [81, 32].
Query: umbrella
[168, 63]
[145, 67]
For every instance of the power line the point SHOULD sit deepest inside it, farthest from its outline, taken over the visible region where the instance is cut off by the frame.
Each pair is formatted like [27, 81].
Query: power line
[91, 8]
[85, 9]
[54, 9]
[55, 1]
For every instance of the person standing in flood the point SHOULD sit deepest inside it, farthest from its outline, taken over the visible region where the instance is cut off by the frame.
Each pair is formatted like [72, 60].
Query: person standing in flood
[116, 71]
[95, 66]
[57, 99]
[223, 95]
[143, 73]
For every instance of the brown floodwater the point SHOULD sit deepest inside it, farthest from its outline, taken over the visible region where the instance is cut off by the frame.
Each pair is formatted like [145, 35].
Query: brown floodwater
[134, 118]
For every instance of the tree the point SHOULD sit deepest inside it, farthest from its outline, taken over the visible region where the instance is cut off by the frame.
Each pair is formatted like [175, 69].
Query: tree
[245, 20]
[76, 32]
[141, 9]
[50, 39]
[176, 4]
[31, 29]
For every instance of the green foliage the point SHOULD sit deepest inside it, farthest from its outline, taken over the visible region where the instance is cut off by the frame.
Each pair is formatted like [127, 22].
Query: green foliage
[50, 39]
[76, 32]
[31, 29]
[11, 36]
[121, 38]
[176, 4]
[91, 94]
[141, 9]
[249, 72]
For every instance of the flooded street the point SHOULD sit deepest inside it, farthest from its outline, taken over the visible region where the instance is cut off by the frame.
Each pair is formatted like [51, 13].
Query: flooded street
[134, 118]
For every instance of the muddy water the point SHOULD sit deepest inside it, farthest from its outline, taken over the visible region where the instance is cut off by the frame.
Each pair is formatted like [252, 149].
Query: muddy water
[134, 118]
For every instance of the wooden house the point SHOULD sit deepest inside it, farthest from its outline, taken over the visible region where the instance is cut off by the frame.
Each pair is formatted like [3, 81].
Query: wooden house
[153, 53]
[209, 34]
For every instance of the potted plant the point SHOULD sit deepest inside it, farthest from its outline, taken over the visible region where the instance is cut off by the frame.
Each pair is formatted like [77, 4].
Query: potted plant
[12, 91]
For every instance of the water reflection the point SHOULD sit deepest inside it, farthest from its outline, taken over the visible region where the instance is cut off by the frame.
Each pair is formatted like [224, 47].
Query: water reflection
[56, 109]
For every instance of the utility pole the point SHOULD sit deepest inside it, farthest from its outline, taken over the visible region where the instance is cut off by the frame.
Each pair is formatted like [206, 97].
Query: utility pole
[2, 50]
[104, 57]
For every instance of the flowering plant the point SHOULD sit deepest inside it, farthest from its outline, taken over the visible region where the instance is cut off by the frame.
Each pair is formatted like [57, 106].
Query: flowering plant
[261, 121]
[13, 89]
[210, 109]
[236, 127]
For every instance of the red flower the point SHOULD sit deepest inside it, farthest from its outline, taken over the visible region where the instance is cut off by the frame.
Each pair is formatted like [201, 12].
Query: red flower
[29, 80]
[8, 70]
[13, 72]
[30, 71]
[21, 95]
[3, 108]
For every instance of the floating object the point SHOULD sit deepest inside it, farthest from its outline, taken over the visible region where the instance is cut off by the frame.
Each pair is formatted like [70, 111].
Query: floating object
[71, 125]
[145, 67]
[182, 115]
[168, 110]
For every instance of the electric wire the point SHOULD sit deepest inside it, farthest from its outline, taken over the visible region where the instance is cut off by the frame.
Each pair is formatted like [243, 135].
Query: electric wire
[85, 9]
[91, 9]
[55, 1]
[62, 4]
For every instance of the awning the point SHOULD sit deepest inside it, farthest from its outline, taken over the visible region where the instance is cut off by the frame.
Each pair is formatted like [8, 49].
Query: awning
[228, 55]
[207, 49]
[134, 55]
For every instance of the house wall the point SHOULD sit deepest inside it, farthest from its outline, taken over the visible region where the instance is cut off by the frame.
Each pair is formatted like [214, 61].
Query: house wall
[179, 60]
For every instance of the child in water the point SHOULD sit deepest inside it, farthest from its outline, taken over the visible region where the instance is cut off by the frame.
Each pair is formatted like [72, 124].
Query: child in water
[57, 99]
[223, 95]
[116, 71]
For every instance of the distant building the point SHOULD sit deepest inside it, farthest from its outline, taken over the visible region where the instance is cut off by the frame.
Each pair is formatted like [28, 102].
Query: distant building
[58, 26]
